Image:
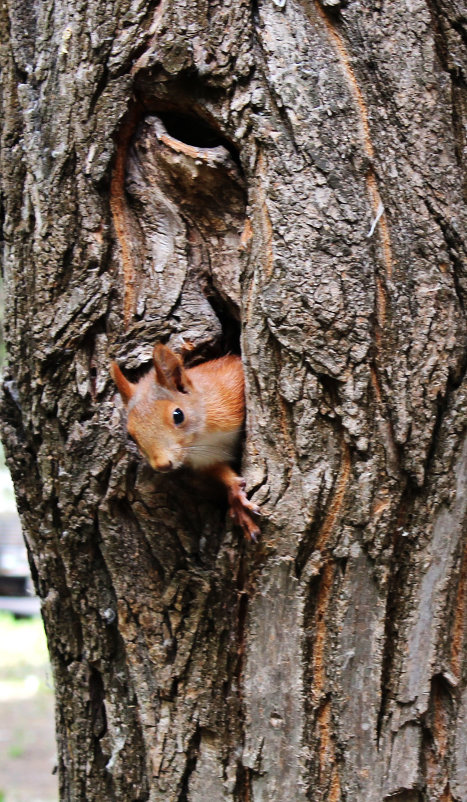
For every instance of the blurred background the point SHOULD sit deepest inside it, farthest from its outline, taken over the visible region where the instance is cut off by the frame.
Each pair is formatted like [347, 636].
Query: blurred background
[27, 740]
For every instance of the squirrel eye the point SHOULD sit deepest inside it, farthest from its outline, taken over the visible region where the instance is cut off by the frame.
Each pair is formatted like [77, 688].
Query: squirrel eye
[178, 416]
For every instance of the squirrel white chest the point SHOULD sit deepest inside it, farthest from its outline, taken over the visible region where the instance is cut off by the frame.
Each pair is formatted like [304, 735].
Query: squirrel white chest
[212, 448]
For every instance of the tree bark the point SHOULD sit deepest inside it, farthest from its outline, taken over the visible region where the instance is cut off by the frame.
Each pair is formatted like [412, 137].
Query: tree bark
[284, 179]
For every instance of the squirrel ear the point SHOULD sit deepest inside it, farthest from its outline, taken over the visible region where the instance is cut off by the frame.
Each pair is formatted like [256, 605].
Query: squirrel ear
[125, 388]
[170, 371]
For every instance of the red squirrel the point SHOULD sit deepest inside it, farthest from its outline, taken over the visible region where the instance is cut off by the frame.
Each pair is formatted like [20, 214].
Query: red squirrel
[191, 417]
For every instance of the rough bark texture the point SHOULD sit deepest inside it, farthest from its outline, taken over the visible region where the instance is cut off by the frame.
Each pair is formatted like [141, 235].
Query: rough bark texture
[285, 178]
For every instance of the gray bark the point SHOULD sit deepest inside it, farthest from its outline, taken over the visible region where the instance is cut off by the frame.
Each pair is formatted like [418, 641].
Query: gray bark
[286, 178]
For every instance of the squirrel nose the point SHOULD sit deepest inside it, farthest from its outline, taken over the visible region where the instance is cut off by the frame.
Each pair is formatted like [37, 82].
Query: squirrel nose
[164, 467]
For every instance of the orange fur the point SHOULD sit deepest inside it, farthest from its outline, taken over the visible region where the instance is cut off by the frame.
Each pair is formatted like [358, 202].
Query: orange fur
[211, 399]
[222, 386]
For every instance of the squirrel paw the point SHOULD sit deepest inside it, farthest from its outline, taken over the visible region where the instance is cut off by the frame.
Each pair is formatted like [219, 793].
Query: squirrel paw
[241, 508]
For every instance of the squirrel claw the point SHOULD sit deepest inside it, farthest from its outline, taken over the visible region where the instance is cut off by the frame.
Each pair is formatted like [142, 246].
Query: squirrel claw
[241, 508]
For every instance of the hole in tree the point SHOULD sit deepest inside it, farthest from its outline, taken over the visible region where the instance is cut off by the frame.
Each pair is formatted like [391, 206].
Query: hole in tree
[231, 327]
[195, 132]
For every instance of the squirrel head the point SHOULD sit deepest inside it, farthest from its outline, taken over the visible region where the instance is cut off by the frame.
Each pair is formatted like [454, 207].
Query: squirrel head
[164, 410]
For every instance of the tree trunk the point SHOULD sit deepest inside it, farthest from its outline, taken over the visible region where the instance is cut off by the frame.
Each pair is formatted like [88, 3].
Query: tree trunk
[283, 179]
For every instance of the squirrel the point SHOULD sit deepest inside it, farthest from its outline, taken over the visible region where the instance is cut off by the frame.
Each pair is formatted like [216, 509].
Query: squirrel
[191, 417]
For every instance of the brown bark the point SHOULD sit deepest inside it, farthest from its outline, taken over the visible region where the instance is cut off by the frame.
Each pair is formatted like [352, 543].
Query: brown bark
[285, 179]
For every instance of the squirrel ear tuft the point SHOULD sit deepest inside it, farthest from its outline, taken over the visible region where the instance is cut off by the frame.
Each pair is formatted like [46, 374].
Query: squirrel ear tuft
[170, 371]
[125, 387]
